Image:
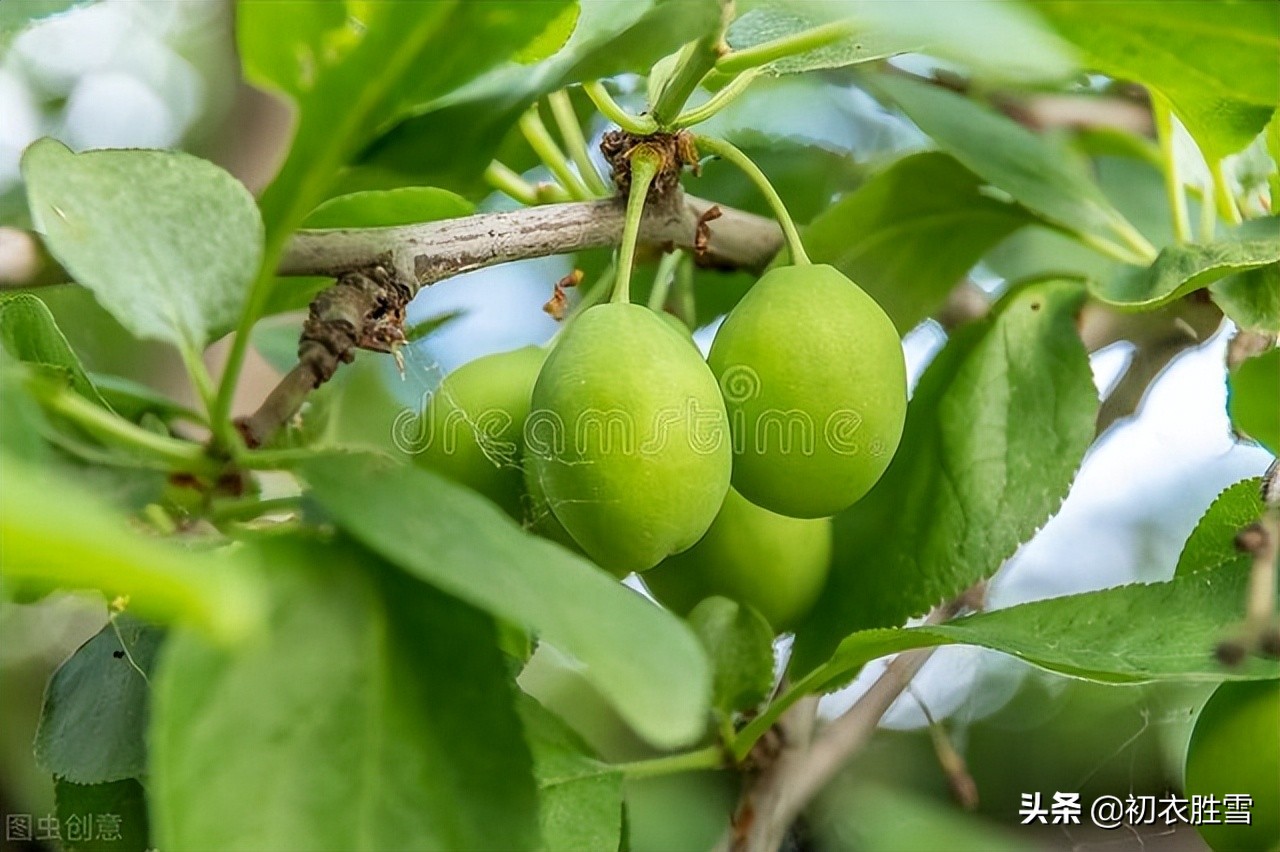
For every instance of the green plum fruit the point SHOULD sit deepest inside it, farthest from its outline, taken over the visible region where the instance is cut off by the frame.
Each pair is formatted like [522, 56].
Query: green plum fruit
[474, 422]
[816, 389]
[1235, 749]
[538, 517]
[774, 563]
[628, 437]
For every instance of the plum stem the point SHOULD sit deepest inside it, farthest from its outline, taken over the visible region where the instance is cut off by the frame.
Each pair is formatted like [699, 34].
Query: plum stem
[645, 163]
[727, 151]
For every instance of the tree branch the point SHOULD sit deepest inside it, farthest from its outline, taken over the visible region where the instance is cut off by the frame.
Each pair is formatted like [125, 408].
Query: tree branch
[1158, 337]
[775, 798]
[433, 251]
[381, 269]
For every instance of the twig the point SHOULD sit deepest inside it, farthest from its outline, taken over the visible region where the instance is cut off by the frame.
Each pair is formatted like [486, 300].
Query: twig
[774, 800]
[364, 310]
[1158, 337]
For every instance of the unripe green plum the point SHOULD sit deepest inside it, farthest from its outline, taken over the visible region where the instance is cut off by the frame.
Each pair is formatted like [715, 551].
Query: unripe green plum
[538, 517]
[628, 438]
[816, 389]
[676, 323]
[474, 423]
[774, 563]
[1235, 748]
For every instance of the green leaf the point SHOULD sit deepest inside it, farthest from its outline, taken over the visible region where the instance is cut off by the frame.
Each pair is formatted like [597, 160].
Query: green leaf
[552, 38]
[131, 400]
[908, 235]
[580, 797]
[1211, 545]
[1013, 159]
[29, 333]
[96, 706]
[353, 68]
[740, 644]
[995, 431]
[1099, 636]
[449, 143]
[774, 21]
[1251, 299]
[375, 713]
[387, 208]
[53, 532]
[1254, 402]
[1215, 62]
[167, 242]
[21, 420]
[885, 819]
[994, 40]
[1181, 269]
[102, 817]
[644, 661]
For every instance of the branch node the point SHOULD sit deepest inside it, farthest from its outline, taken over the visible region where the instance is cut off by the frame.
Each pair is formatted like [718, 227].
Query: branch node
[363, 310]
[674, 150]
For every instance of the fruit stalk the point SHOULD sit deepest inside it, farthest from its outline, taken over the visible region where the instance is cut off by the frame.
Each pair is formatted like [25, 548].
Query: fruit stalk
[539, 139]
[727, 151]
[645, 164]
[640, 125]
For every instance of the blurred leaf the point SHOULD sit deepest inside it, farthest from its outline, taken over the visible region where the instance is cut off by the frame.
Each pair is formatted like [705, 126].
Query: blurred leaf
[379, 209]
[1131, 183]
[102, 817]
[424, 328]
[580, 797]
[131, 400]
[881, 819]
[1211, 545]
[1094, 635]
[909, 235]
[28, 332]
[1011, 158]
[353, 68]
[772, 21]
[1272, 143]
[994, 40]
[1215, 62]
[375, 713]
[645, 662]
[21, 420]
[739, 643]
[276, 340]
[167, 242]
[1181, 269]
[995, 430]
[1251, 299]
[449, 143]
[54, 532]
[1253, 399]
[552, 38]
[96, 706]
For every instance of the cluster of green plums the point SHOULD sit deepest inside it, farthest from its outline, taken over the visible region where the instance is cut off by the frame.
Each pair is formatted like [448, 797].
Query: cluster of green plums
[720, 475]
